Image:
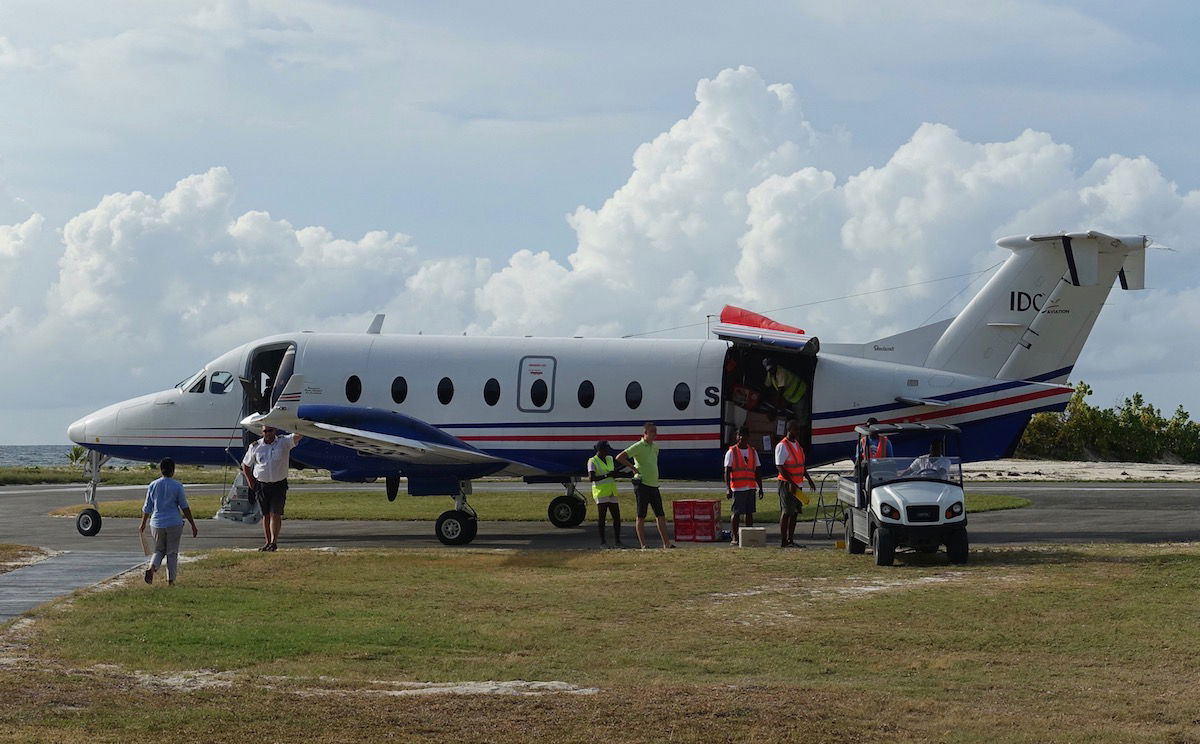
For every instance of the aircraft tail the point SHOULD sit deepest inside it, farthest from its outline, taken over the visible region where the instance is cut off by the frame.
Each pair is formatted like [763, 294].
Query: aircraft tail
[1030, 321]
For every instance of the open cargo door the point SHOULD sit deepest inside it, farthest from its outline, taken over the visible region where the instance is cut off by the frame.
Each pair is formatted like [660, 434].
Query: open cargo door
[767, 379]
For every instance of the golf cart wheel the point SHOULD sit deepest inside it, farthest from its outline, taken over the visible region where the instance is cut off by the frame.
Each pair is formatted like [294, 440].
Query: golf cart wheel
[566, 511]
[455, 527]
[957, 546]
[883, 542]
[88, 522]
[854, 546]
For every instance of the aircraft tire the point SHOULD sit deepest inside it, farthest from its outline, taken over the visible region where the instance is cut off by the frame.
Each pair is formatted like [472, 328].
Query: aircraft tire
[566, 511]
[88, 522]
[455, 527]
[854, 546]
[883, 542]
[958, 546]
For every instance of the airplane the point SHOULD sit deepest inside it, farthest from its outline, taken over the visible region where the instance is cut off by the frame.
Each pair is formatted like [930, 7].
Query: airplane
[441, 411]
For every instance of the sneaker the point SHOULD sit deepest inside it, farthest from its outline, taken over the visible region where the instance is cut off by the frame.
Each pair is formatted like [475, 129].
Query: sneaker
[733, 543]
[149, 576]
[265, 548]
[272, 547]
[618, 544]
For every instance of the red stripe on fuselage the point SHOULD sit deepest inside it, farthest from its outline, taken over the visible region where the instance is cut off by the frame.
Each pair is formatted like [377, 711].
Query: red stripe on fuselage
[1036, 395]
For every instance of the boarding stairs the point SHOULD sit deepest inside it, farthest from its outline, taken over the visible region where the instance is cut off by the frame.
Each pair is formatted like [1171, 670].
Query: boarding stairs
[239, 504]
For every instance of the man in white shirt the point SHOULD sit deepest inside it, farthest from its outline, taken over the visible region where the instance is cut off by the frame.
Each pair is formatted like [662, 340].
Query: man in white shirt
[741, 477]
[789, 461]
[932, 465]
[266, 467]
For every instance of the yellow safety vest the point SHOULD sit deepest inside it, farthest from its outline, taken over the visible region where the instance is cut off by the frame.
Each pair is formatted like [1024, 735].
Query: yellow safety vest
[789, 384]
[606, 486]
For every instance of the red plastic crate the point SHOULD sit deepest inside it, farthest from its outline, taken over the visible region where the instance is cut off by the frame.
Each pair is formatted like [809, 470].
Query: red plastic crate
[681, 509]
[706, 531]
[685, 530]
[707, 510]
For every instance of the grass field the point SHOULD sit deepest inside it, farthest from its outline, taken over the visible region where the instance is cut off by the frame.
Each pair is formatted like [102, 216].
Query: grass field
[1093, 643]
[497, 506]
[123, 476]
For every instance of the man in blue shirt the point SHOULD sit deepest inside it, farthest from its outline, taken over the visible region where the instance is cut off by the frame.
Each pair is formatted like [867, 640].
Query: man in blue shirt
[165, 500]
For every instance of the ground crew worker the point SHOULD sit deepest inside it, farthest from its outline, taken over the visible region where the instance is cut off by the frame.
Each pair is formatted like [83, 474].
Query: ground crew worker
[604, 490]
[790, 385]
[741, 477]
[789, 460]
[875, 447]
[644, 464]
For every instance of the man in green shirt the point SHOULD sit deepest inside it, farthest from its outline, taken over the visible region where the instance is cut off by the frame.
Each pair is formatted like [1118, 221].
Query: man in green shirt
[644, 464]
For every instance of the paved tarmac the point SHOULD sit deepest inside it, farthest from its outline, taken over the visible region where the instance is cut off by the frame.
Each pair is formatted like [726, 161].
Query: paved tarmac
[1060, 513]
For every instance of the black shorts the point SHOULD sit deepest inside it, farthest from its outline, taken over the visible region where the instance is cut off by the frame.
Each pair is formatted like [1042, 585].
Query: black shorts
[744, 501]
[272, 497]
[648, 497]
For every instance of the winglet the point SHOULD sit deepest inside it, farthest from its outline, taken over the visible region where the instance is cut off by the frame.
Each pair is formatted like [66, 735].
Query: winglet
[376, 325]
[283, 414]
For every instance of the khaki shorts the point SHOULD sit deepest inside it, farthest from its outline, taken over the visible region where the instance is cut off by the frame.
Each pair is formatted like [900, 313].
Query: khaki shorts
[788, 503]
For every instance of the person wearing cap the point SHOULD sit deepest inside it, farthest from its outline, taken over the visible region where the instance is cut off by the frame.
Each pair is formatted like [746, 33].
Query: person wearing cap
[741, 477]
[604, 490]
[266, 467]
[642, 458]
[789, 460]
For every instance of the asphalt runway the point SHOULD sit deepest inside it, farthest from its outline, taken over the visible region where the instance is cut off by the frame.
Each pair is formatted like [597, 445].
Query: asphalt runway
[1060, 513]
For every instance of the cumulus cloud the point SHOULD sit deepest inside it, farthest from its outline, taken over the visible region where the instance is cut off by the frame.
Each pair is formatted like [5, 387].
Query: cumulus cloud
[727, 205]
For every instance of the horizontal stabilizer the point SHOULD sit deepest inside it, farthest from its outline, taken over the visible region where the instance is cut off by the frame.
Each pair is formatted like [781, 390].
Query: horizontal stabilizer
[378, 433]
[1133, 271]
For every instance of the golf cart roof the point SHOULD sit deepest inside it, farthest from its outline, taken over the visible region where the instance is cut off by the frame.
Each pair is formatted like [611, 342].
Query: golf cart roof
[890, 429]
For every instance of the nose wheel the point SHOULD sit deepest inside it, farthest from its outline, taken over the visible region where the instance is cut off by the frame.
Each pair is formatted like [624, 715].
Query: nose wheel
[88, 522]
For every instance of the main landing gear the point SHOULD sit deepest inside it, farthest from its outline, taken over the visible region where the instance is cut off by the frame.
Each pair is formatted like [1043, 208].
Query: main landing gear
[568, 510]
[459, 525]
[88, 522]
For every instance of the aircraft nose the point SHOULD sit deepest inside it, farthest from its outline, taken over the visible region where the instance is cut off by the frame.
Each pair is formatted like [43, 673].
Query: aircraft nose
[77, 432]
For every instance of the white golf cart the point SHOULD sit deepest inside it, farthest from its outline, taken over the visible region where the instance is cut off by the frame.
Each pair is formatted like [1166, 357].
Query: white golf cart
[912, 498]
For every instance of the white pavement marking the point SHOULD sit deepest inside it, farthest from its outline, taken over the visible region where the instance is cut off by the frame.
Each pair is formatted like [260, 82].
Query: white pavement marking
[25, 588]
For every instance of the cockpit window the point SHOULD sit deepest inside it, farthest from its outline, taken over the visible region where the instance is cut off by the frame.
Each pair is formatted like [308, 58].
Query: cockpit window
[220, 382]
[198, 385]
[188, 382]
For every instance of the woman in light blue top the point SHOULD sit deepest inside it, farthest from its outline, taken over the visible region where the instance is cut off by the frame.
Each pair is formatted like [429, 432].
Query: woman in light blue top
[165, 500]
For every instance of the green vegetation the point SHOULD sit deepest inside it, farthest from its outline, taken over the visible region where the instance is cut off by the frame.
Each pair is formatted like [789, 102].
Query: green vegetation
[502, 506]
[1091, 643]
[110, 476]
[1133, 431]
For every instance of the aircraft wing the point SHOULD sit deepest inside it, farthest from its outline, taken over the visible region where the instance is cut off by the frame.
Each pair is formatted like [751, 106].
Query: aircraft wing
[377, 432]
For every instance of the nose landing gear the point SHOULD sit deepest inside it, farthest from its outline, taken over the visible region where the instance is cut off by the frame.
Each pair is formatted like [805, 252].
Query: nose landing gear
[88, 522]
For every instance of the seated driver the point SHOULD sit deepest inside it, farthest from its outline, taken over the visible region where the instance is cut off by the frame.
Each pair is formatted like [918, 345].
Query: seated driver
[932, 465]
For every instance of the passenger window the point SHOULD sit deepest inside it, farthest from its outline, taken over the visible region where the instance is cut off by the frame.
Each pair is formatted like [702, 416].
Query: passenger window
[538, 392]
[491, 391]
[445, 391]
[633, 395]
[220, 382]
[399, 390]
[353, 389]
[683, 396]
[198, 387]
[587, 394]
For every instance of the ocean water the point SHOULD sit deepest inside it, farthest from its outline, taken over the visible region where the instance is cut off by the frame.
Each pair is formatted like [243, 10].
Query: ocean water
[28, 455]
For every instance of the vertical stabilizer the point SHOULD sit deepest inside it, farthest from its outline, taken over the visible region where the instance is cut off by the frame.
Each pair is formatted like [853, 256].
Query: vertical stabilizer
[1031, 319]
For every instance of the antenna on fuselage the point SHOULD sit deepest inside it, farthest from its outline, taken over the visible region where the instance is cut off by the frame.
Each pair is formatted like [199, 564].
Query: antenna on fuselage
[377, 324]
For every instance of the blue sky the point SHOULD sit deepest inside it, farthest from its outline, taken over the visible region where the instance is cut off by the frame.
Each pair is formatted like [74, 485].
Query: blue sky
[482, 152]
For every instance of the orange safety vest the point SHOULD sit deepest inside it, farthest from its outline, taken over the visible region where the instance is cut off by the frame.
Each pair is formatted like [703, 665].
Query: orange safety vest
[880, 447]
[742, 473]
[793, 470]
